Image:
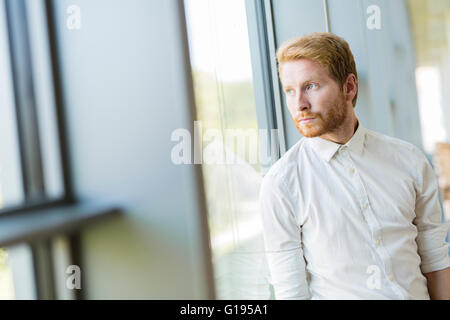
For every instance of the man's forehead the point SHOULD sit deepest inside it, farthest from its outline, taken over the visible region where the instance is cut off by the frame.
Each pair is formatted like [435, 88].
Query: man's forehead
[302, 70]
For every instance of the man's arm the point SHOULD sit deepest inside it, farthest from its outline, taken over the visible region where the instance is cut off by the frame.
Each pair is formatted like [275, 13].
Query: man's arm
[282, 240]
[439, 284]
[432, 247]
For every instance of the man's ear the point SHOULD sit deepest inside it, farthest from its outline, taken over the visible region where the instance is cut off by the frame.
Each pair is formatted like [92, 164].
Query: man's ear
[350, 87]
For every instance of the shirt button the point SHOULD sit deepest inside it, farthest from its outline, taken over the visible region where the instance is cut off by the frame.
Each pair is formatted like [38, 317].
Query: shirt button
[351, 171]
[365, 206]
[391, 277]
[377, 242]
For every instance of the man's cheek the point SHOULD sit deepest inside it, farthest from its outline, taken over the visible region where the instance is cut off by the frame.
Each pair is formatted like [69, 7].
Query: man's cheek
[293, 113]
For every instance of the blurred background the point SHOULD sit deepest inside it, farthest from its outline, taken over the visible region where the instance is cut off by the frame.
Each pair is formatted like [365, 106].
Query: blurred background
[99, 98]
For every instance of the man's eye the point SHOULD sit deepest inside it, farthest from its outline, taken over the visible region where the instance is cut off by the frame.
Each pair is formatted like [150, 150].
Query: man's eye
[311, 86]
[290, 92]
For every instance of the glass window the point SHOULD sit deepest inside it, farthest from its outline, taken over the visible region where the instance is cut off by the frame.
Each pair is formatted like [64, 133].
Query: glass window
[430, 23]
[6, 277]
[28, 104]
[227, 123]
[11, 192]
[16, 265]
[45, 104]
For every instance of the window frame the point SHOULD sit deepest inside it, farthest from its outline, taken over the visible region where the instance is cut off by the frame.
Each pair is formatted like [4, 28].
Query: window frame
[39, 220]
[265, 77]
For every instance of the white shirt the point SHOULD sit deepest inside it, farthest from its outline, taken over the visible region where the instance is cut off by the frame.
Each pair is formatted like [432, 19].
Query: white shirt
[354, 221]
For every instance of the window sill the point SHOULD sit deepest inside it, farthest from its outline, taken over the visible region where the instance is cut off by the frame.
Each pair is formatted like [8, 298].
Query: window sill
[32, 225]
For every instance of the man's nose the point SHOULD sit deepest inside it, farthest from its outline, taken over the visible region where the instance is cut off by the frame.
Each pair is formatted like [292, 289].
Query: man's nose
[303, 103]
[304, 107]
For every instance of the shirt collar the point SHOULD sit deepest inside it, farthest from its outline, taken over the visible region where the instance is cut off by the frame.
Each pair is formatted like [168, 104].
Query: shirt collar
[326, 149]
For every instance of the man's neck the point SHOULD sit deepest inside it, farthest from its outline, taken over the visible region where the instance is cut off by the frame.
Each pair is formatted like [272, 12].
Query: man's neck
[345, 133]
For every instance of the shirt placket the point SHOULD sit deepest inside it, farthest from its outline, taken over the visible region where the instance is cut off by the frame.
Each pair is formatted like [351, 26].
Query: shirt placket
[371, 220]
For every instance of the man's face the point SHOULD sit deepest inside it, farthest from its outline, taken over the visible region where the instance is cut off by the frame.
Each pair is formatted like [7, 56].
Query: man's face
[314, 99]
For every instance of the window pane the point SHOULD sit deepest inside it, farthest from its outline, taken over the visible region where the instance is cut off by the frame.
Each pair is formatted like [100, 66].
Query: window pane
[20, 271]
[45, 104]
[11, 188]
[430, 23]
[227, 122]
[6, 277]
[10, 179]
[11, 191]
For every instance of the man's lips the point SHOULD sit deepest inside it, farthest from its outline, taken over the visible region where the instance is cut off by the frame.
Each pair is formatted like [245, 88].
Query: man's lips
[306, 120]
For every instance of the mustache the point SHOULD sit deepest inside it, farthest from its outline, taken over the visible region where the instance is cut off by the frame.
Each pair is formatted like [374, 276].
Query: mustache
[306, 115]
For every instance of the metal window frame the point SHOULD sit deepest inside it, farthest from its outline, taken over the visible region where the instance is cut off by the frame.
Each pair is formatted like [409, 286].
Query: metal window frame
[326, 9]
[28, 134]
[25, 101]
[265, 74]
[66, 210]
[69, 196]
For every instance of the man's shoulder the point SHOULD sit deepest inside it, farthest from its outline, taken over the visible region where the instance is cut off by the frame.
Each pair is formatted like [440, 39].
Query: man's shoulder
[287, 163]
[398, 145]
[400, 153]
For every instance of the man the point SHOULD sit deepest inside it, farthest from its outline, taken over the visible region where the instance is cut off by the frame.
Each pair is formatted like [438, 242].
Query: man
[347, 213]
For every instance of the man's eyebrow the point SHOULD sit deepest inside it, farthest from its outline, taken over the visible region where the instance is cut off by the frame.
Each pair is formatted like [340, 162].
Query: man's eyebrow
[303, 83]
[308, 81]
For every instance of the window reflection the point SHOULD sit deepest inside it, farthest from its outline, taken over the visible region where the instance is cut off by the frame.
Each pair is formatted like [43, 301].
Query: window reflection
[10, 173]
[430, 21]
[6, 277]
[222, 74]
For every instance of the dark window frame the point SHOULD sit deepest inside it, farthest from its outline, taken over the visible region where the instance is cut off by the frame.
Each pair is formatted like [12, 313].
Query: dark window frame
[265, 76]
[38, 219]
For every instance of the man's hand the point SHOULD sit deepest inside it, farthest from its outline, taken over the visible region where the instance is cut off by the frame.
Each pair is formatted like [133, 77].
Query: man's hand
[439, 284]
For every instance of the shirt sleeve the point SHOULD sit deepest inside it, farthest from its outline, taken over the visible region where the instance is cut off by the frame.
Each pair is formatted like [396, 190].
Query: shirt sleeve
[433, 249]
[282, 240]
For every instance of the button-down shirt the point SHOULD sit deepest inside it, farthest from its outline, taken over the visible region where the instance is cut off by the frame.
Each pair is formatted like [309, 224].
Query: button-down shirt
[360, 220]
